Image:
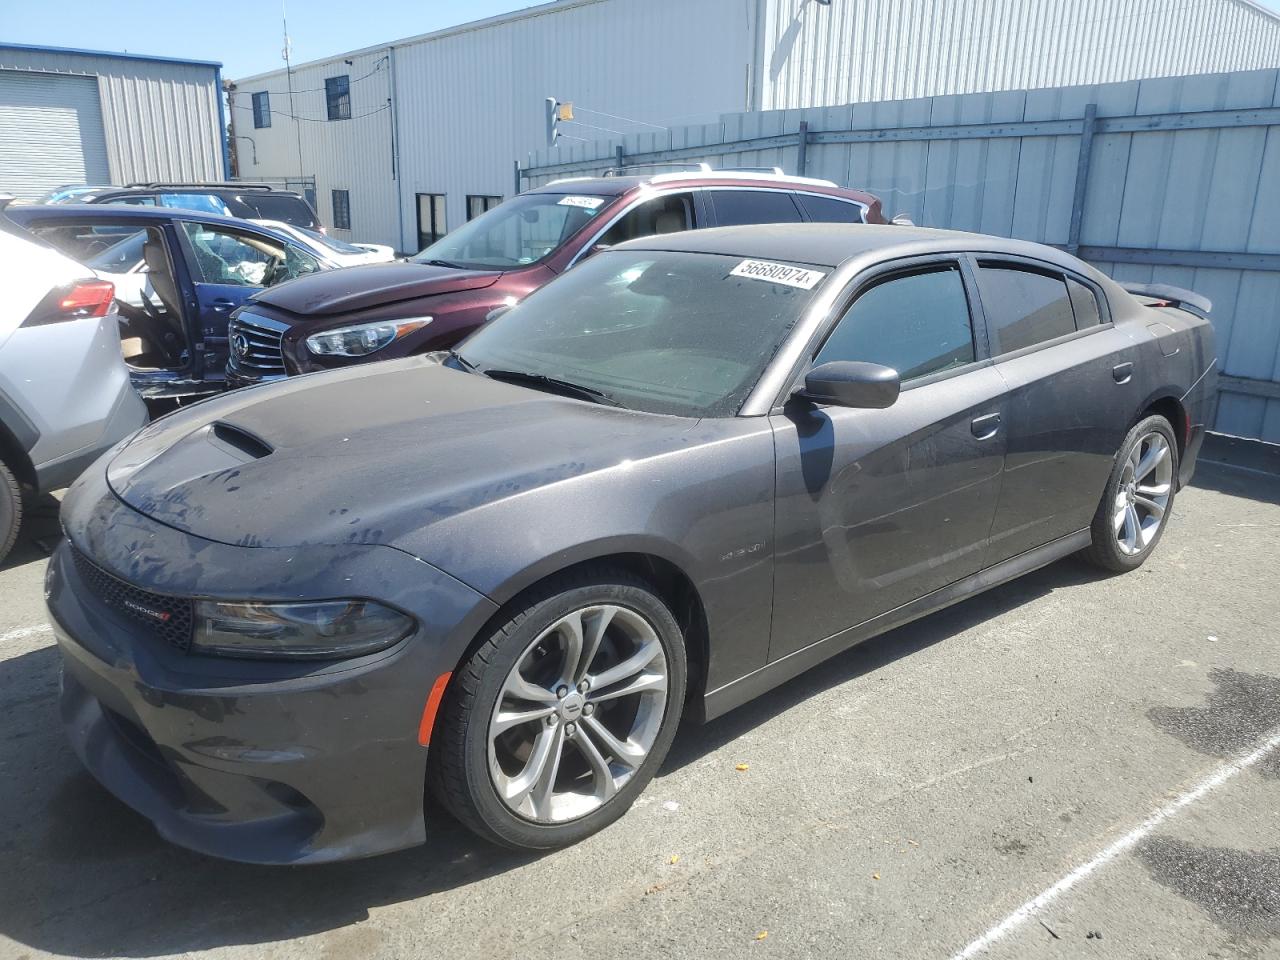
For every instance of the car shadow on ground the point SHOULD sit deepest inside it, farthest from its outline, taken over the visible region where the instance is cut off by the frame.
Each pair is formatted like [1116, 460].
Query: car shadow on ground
[1236, 481]
[97, 881]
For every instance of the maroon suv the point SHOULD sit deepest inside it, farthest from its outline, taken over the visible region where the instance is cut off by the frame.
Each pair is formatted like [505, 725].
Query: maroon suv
[432, 301]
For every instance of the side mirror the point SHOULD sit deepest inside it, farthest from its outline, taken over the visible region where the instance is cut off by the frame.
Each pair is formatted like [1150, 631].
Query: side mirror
[852, 383]
[902, 220]
[497, 311]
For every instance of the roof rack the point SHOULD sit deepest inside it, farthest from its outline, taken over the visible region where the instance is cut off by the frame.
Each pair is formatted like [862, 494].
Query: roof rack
[776, 171]
[686, 167]
[221, 184]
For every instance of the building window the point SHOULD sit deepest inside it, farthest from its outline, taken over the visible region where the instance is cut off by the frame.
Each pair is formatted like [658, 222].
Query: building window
[261, 110]
[479, 203]
[337, 97]
[341, 210]
[431, 225]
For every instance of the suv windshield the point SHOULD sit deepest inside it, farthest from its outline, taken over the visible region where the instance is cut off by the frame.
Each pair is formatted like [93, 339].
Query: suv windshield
[665, 332]
[516, 233]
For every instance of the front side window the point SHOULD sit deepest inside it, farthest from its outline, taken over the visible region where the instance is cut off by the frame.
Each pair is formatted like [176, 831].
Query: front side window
[1023, 306]
[480, 203]
[524, 230]
[337, 97]
[342, 209]
[738, 207]
[261, 110]
[666, 332]
[226, 257]
[666, 214]
[917, 323]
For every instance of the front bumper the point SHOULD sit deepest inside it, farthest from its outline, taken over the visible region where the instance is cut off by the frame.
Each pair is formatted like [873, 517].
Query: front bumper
[263, 762]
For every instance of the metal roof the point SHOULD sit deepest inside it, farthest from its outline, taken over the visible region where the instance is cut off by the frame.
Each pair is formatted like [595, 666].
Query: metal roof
[41, 48]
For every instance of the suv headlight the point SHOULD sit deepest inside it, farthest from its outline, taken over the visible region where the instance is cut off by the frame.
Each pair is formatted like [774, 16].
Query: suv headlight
[327, 630]
[362, 339]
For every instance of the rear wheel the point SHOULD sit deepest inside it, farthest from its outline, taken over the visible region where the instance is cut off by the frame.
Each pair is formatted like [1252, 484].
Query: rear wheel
[1138, 499]
[10, 510]
[558, 721]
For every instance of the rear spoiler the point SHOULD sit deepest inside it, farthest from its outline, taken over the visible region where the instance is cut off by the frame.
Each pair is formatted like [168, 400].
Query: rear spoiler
[1172, 297]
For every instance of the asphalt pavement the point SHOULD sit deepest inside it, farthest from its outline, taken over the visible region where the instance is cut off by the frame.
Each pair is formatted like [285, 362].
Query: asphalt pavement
[1071, 765]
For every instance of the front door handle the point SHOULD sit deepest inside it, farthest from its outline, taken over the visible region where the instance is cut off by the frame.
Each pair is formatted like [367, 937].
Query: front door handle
[222, 305]
[984, 428]
[1122, 372]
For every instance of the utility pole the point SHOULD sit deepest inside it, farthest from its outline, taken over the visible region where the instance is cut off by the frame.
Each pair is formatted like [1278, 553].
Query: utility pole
[288, 70]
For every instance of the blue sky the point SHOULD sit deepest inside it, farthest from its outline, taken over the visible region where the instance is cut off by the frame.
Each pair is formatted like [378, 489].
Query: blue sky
[244, 34]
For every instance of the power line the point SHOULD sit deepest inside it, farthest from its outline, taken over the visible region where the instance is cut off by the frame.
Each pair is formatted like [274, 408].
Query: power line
[290, 116]
[284, 93]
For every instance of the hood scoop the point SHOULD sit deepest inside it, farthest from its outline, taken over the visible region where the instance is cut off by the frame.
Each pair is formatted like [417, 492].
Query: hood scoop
[240, 441]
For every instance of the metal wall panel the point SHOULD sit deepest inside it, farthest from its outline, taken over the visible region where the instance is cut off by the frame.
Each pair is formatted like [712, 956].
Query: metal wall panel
[50, 133]
[1190, 178]
[160, 118]
[815, 55]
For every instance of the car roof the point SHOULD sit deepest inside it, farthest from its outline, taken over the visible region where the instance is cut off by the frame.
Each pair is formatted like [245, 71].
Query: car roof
[28, 212]
[832, 244]
[217, 189]
[612, 186]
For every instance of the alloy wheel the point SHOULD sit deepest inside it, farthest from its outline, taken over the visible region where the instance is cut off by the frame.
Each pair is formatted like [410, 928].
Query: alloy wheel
[1142, 496]
[578, 714]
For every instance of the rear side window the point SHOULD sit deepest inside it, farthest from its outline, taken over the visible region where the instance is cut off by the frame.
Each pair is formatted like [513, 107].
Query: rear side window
[917, 323]
[1024, 307]
[290, 209]
[829, 209]
[1084, 303]
[736, 207]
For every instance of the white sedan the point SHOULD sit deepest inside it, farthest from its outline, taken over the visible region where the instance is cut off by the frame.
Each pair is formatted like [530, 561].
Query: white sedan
[330, 248]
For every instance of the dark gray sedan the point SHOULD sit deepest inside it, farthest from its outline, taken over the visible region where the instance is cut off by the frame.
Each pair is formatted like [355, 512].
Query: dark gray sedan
[687, 470]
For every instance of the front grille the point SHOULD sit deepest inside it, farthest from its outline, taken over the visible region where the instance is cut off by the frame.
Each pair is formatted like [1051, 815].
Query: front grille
[254, 344]
[168, 618]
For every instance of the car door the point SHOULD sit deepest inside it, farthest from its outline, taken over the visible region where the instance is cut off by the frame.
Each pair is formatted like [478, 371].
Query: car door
[1072, 393]
[878, 507]
[228, 266]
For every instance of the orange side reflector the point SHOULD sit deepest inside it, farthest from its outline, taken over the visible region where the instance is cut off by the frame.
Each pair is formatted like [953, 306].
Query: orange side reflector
[433, 705]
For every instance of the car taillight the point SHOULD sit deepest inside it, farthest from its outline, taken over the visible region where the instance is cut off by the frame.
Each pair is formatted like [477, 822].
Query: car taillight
[74, 301]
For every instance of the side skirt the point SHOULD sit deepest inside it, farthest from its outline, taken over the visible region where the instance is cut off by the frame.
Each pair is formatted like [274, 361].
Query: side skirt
[738, 692]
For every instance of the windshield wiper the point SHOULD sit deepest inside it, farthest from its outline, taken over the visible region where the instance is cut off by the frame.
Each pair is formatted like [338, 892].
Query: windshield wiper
[553, 384]
[442, 263]
[460, 360]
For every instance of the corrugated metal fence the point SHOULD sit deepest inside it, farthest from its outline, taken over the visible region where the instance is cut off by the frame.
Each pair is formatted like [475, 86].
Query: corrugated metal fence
[1173, 180]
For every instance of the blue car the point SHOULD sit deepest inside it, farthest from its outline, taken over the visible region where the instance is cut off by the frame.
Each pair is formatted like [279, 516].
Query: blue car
[178, 275]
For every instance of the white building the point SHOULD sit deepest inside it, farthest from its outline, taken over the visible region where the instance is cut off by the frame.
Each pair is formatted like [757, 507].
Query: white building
[86, 116]
[408, 139]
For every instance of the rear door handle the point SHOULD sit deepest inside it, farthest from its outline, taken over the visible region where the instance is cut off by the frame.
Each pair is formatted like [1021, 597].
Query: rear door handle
[984, 428]
[1122, 372]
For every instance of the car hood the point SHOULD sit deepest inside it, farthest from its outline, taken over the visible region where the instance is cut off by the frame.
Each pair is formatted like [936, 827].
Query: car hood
[370, 455]
[370, 285]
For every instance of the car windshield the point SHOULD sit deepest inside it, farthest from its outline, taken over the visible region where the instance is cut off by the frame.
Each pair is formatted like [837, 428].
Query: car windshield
[330, 242]
[122, 256]
[521, 231]
[677, 333]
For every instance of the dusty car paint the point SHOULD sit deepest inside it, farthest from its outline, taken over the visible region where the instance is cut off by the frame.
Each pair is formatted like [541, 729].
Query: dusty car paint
[801, 530]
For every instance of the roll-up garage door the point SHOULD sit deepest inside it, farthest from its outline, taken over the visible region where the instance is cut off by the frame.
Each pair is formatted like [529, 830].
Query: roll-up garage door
[51, 132]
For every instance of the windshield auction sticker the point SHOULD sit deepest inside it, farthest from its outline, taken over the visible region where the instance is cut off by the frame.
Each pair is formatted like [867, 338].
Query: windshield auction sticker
[778, 273]
[587, 203]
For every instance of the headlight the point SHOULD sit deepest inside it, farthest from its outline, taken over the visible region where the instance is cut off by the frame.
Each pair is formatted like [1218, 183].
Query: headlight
[328, 630]
[362, 339]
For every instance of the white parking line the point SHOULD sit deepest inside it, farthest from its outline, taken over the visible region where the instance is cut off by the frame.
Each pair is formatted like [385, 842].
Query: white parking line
[25, 632]
[1129, 840]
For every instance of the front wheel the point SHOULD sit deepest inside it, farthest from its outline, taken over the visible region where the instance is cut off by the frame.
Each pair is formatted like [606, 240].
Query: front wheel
[1138, 499]
[556, 723]
[10, 510]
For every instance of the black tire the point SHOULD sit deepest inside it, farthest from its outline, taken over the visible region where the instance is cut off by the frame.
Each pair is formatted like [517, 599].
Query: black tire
[10, 510]
[458, 767]
[1105, 550]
